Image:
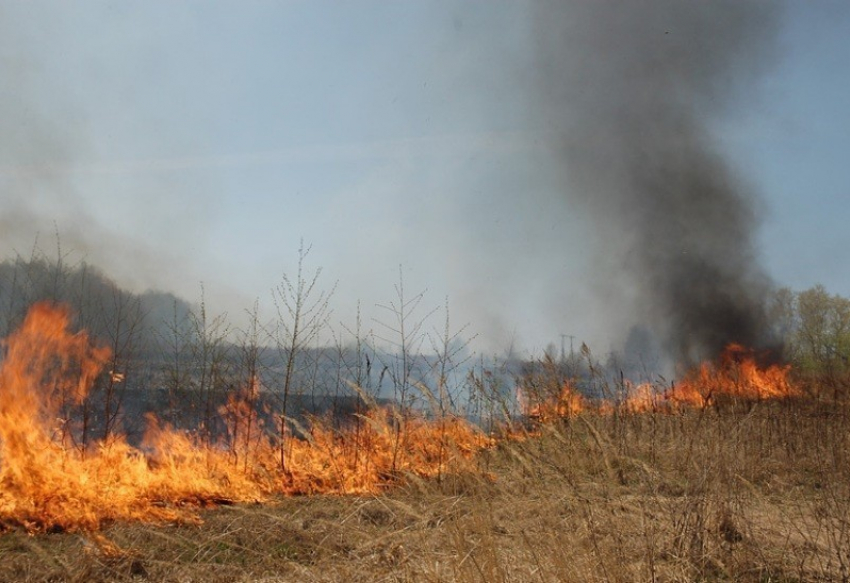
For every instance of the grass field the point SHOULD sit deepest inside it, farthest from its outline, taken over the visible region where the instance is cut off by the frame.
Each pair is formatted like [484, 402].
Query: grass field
[743, 492]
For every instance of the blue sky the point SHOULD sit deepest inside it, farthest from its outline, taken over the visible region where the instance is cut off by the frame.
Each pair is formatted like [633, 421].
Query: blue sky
[798, 143]
[179, 143]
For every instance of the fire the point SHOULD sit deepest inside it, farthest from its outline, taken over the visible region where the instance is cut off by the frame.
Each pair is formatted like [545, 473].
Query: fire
[736, 376]
[567, 403]
[641, 398]
[48, 481]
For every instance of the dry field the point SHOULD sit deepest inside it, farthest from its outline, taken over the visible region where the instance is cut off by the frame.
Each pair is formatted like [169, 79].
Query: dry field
[742, 492]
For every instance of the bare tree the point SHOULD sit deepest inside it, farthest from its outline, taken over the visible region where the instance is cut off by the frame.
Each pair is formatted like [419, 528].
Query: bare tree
[403, 333]
[115, 317]
[210, 365]
[174, 339]
[302, 313]
[123, 319]
[451, 352]
[241, 413]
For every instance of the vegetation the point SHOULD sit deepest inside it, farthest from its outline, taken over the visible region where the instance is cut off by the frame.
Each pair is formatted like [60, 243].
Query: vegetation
[735, 489]
[758, 495]
[814, 326]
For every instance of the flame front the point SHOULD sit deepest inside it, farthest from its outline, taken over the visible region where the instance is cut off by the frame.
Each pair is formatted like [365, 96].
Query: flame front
[49, 482]
[736, 376]
[567, 403]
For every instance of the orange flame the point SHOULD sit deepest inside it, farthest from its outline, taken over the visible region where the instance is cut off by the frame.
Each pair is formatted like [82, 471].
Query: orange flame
[641, 398]
[735, 377]
[47, 482]
[567, 403]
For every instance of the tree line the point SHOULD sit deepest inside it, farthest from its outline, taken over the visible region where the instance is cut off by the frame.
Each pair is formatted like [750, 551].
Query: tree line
[814, 330]
[194, 370]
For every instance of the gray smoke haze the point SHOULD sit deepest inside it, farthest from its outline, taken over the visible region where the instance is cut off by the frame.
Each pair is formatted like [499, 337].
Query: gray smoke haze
[639, 87]
[56, 193]
[117, 131]
[38, 143]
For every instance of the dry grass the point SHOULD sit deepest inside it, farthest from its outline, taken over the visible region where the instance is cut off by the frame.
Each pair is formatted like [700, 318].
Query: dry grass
[745, 493]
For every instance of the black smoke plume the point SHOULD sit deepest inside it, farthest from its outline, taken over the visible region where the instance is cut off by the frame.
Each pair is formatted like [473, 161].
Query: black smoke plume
[639, 88]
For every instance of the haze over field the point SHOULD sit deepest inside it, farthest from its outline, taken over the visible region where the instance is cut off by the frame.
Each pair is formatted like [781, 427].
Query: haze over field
[178, 144]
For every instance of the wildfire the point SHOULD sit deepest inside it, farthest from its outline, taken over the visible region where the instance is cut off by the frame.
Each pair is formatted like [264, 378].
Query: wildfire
[50, 481]
[736, 376]
[567, 403]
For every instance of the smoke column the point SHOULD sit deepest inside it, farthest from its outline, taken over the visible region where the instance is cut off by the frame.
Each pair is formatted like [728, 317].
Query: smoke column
[638, 87]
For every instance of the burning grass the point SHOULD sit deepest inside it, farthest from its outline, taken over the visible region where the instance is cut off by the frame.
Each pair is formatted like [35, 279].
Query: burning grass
[676, 486]
[49, 482]
[736, 377]
[709, 494]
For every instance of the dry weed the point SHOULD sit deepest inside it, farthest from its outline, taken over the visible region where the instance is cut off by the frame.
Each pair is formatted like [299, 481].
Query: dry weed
[751, 494]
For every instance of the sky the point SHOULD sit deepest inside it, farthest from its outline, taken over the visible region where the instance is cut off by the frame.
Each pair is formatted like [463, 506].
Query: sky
[176, 145]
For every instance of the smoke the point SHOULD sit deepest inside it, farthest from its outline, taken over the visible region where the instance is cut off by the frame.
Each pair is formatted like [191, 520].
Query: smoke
[65, 191]
[40, 138]
[639, 89]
